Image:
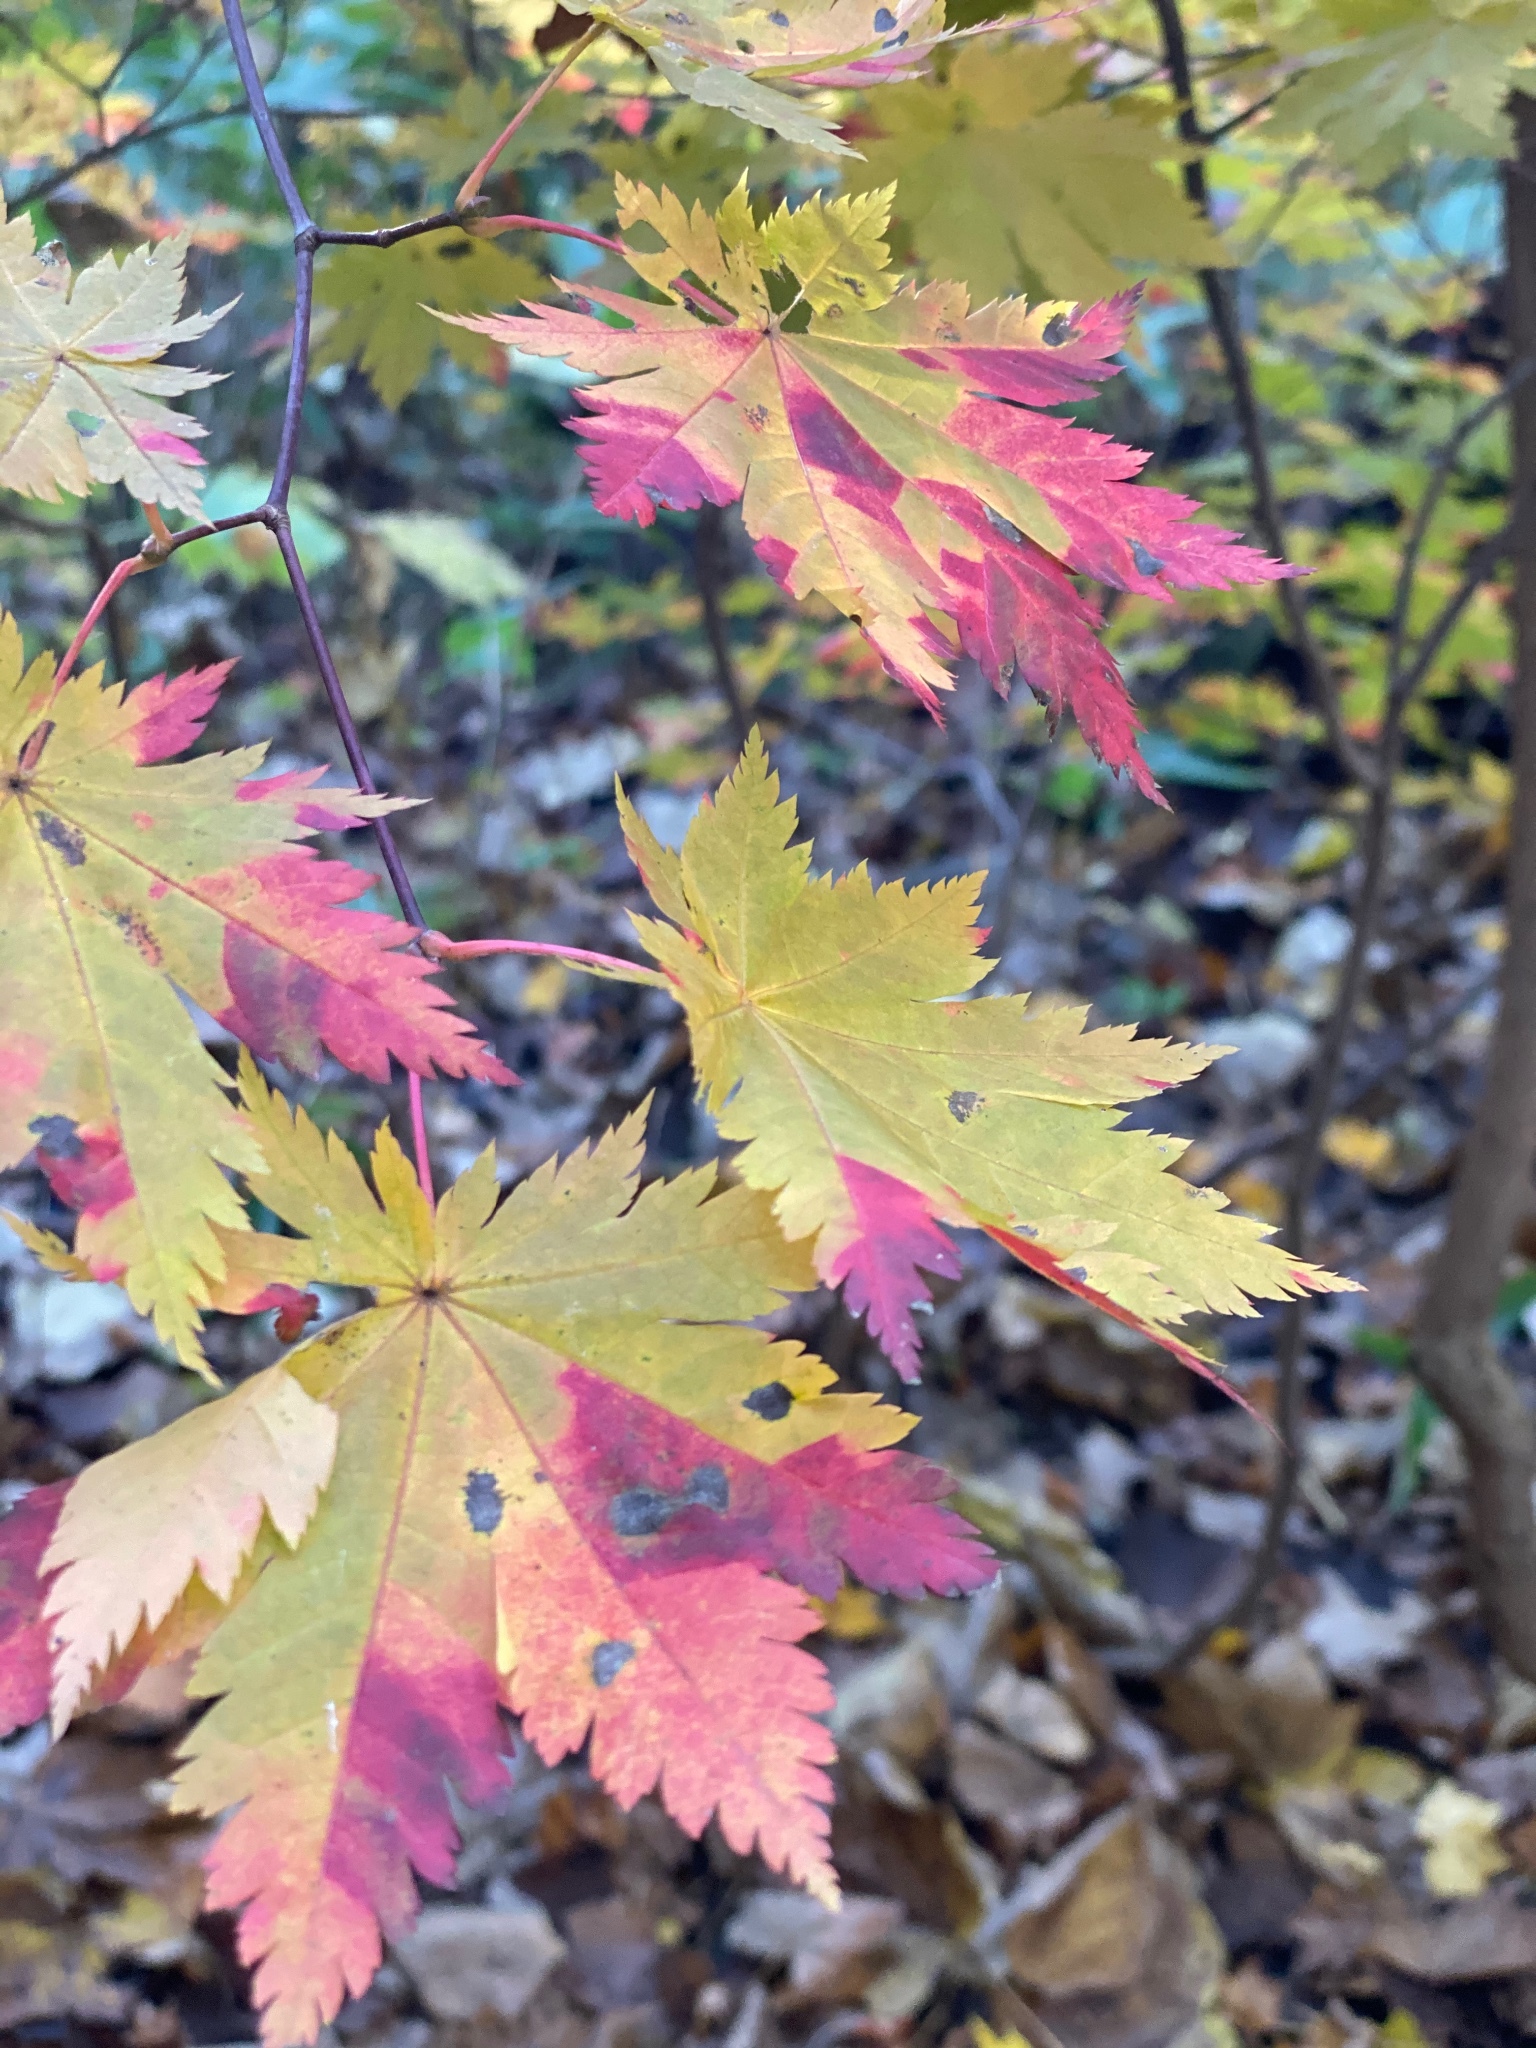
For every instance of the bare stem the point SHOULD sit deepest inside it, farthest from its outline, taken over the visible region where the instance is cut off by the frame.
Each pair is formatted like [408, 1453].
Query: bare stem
[99, 603]
[419, 1139]
[609, 965]
[502, 223]
[469, 191]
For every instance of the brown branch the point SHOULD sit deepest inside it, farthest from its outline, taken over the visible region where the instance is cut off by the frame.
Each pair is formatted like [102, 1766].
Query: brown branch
[1221, 308]
[711, 569]
[1455, 1355]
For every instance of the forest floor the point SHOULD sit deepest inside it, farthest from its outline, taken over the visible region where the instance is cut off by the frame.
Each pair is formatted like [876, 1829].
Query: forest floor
[1321, 1830]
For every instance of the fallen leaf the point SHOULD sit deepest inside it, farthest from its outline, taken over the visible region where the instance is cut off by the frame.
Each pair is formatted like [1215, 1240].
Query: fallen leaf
[479, 1962]
[1462, 1850]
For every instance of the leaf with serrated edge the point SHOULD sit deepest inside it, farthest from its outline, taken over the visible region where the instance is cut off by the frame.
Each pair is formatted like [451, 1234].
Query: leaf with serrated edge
[564, 1469]
[1014, 177]
[26, 1528]
[137, 1524]
[874, 465]
[830, 1033]
[725, 55]
[123, 877]
[380, 322]
[81, 376]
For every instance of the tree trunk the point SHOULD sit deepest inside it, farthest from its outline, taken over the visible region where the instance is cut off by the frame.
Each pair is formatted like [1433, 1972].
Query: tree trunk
[1455, 1357]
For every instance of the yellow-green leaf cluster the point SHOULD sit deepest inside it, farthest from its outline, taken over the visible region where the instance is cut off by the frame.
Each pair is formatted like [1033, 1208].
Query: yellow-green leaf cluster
[1013, 179]
[375, 298]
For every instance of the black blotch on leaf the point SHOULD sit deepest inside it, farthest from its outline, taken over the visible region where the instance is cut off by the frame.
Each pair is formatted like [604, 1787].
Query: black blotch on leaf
[1057, 330]
[608, 1660]
[483, 1502]
[884, 19]
[709, 1488]
[964, 1103]
[1003, 526]
[1077, 1273]
[58, 1136]
[1145, 560]
[646, 1510]
[779, 18]
[66, 839]
[772, 1401]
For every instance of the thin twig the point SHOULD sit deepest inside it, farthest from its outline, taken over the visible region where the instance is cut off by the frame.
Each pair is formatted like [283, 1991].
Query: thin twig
[1221, 306]
[1326, 1070]
[469, 191]
[386, 238]
[710, 566]
[1440, 476]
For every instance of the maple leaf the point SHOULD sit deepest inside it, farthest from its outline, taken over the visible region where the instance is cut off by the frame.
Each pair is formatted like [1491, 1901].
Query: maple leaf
[874, 463]
[123, 878]
[1012, 176]
[81, 380]
[376, 299]
[561, 1476]
[830, 1033]
[723, 54]
[26, 1529]
[136, 1525]
[1383, 82]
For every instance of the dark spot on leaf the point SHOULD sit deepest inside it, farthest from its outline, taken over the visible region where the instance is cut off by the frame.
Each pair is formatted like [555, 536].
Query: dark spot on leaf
[58, 1136]
[772, 1402]
[709, 1488]
[135, 929]
[1057, 330]
[641, 1511]
[779, 18]
[964, 1103]
[85, 423]
[1003, 526]
[884, 19]
[744, 47]
[66, 839]
[609, 1659]
[895, 42]
[1145, 560]
[646, 1510]
[483, 1502]
[1077, 1273]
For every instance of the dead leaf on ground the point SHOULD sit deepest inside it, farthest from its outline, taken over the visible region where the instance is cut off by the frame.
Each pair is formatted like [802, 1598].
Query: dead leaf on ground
[472, 1961]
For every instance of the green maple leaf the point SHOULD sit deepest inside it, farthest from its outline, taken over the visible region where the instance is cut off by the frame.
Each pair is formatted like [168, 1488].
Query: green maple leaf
[1011, 178]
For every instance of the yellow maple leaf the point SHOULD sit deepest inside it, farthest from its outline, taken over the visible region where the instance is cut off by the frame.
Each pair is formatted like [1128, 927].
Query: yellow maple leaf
[831, 1033]
[81, 376]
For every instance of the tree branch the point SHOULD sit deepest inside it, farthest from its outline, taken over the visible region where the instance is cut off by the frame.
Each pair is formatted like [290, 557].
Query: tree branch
[1221, 308]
